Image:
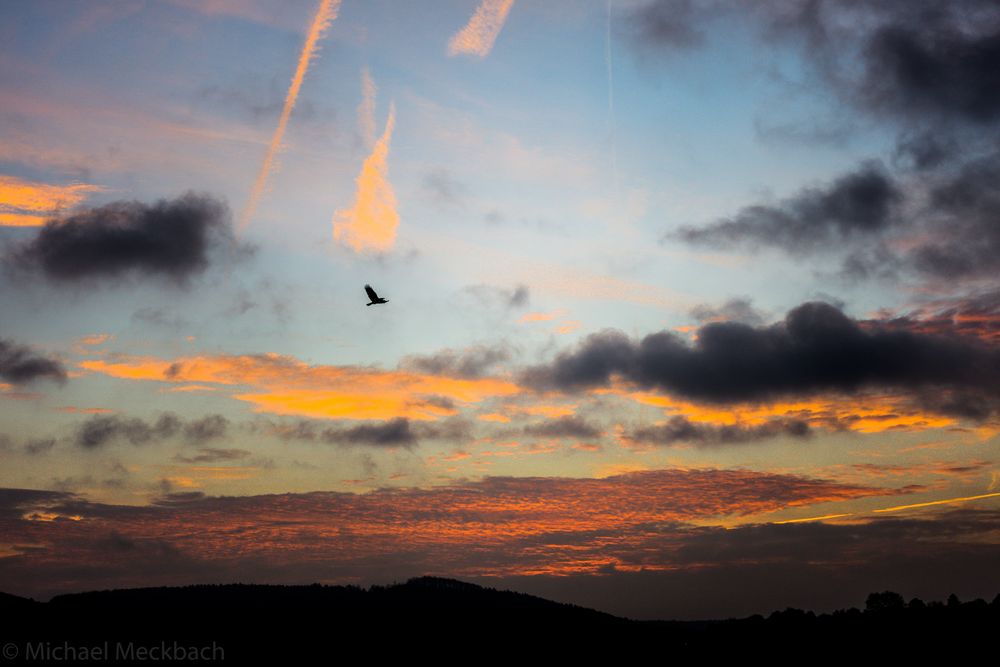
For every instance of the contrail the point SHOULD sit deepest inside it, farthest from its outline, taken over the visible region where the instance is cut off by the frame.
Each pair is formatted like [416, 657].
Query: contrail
[371, 223]
[939, 502]
[366, 110]
[325, 15]
[897, 508]
[481, 31]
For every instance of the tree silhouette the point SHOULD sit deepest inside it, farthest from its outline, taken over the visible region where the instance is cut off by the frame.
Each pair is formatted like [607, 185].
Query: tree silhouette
[886, 601]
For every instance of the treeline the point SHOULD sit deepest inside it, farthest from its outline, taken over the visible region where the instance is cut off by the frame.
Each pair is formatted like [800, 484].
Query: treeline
[444, 618]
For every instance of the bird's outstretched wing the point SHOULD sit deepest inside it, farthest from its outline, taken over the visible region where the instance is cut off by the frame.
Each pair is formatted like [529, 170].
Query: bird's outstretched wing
[371, 293]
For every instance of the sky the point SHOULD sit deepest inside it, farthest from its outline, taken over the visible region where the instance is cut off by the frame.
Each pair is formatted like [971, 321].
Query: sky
[693, 306]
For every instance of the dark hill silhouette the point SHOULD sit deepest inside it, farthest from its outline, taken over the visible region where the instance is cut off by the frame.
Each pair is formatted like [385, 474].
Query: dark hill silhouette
[446, 618]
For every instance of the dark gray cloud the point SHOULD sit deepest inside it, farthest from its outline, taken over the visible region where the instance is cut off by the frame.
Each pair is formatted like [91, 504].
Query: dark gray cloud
[471, 362]
[952, 236]
[924, 150]
[680, 430]
[815, 349]
[930, 71]
[20, 364]
[967, 239]
[393, 433]
[858, 205]
[396, 432]
[949, 233]
[734, 310]
[170, 239]
[207, 428]
[103, 429]
[938, 64]
[913, 60]
[676, 24]
[564, 427]
[518, 297]
[37, 446]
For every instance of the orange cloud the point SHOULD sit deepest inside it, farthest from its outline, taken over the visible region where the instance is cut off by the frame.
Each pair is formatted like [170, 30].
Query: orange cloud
[283, 385]
[30, 204]
[495, 417]
[872, 414]
[372, 222]
[88, 411]
[569, 327]
[22, 220]
[481, 31]
[496, 526]
[542, 317]
[325, 15]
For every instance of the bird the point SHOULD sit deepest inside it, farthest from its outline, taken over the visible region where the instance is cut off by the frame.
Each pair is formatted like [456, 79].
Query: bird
[375, 299]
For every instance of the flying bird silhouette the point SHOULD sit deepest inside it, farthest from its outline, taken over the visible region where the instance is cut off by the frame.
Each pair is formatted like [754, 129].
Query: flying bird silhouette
[375, 299]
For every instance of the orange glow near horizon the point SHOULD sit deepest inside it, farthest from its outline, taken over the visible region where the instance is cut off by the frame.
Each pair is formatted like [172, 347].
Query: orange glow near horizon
[634, 519]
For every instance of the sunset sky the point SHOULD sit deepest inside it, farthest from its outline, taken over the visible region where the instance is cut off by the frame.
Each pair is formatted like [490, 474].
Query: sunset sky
[694, 305]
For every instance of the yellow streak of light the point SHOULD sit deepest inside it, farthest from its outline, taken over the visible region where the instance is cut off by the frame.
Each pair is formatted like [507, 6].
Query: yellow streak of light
[938, 502]
[812, 518]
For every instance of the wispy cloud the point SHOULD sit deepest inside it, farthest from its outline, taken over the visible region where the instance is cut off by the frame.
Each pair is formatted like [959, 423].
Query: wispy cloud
[542, 317]
[372, 222]
[325, 15]
[29, 203]
[481, 31]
